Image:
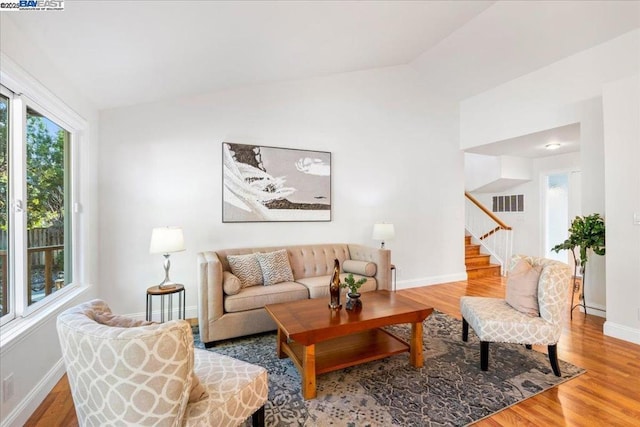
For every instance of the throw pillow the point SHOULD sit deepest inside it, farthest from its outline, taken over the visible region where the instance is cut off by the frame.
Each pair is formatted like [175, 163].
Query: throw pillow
[110, 319]
[246, 268]
[275, 267]
[362, 268]
[230, 283]
[522, 288]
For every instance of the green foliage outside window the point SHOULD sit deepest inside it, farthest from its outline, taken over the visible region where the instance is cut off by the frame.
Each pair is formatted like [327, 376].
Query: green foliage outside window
[45, 174]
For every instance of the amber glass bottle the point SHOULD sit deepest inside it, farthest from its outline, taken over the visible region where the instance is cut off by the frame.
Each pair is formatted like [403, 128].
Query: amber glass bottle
[334, 286]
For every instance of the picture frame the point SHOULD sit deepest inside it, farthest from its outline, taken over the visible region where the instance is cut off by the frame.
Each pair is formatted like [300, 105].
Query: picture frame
[273, 184]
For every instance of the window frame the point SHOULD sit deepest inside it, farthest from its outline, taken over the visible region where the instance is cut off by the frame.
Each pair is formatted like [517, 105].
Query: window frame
[24, 91]
[11, 314]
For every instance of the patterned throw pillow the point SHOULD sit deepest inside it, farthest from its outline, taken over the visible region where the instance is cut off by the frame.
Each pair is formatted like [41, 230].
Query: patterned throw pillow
[246, 268]
[275, 267]
[522, 288]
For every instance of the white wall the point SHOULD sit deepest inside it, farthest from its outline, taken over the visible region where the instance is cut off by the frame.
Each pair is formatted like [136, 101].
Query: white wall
[528, 232]
[395, 158]
[621, 102]
[546, 98]
[567, 91]
[480, 169]
[593, 178]
[34, 356]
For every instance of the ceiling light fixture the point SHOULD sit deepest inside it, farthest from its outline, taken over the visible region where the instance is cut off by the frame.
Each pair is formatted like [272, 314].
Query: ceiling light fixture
[552, 146]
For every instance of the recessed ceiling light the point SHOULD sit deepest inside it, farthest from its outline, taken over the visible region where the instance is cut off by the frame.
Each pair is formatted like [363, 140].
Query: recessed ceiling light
[552, 146]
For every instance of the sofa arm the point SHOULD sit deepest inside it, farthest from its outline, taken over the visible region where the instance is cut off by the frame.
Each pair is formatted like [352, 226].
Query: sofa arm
[382, 259]
[210, 293]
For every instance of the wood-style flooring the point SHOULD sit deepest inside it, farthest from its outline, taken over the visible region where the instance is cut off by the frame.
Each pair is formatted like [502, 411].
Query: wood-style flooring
[608, 394]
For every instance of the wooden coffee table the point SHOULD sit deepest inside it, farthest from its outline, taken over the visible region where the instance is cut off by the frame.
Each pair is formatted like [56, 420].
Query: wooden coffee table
[319, 340]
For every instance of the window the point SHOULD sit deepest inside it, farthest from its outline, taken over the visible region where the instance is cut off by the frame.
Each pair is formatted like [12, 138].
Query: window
[5, 300]
[35, 206]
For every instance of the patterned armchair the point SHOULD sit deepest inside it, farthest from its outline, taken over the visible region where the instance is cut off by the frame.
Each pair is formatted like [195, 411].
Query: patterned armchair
[146, 374]
[494, 320]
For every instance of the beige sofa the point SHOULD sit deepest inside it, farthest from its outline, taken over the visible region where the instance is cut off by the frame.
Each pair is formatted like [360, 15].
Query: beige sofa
[222, 316]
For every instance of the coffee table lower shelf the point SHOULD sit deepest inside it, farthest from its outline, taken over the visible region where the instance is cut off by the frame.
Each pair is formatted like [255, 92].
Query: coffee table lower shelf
[339, 353]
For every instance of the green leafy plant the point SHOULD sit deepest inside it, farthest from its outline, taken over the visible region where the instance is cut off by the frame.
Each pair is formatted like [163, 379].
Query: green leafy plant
[586, 233]
[350, 282]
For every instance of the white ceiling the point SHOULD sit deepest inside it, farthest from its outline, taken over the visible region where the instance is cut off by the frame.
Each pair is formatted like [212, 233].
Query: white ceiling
[533, 145]
[129, 52]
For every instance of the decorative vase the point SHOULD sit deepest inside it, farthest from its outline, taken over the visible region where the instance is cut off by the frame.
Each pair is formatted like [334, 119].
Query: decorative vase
[334, 287]
[353, 302]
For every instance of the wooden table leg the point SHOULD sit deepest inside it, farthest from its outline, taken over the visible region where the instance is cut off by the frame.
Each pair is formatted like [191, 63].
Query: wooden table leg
[280, 342]
[309, 372]
[417, 358]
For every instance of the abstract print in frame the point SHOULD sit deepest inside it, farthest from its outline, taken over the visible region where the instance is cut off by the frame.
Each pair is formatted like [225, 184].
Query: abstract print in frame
[264, 184]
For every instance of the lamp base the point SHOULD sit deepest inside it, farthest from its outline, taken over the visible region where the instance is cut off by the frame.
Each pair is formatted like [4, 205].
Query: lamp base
[167, 285]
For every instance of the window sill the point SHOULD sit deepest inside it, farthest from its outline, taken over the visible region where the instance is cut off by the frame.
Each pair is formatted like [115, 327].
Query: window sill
[17, 329]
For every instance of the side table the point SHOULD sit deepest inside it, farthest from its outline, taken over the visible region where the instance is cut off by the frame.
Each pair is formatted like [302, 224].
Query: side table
[164, 293]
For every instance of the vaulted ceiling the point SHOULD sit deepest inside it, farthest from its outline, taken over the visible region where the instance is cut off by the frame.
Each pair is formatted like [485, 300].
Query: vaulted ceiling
[129, 52]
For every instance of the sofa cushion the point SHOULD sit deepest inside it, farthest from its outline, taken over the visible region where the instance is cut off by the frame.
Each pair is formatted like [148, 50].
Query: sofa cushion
[258, 296]
[362, 268]
[319, 286]
[275, 267]
[231, 285]
[246, 268]
[522, 288]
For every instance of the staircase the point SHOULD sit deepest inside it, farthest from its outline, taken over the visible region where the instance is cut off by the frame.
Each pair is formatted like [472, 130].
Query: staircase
[478, 264]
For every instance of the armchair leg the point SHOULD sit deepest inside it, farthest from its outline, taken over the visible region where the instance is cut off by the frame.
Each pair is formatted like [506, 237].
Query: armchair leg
[465, 330]
[484, 355]
[257, 419]
[553, 358]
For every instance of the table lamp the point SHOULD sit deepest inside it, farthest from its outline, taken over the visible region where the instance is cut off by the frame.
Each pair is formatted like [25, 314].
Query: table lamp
[382, 232]
[166, 240]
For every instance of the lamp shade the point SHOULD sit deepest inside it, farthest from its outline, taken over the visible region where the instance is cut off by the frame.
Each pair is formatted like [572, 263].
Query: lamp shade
[165, 240]
[383, 232]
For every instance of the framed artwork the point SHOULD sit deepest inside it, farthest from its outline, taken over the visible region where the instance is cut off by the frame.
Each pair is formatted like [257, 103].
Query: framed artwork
[271, 184]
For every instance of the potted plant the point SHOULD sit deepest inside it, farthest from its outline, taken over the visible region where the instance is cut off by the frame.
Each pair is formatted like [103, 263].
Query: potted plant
[588, 234]
[353, 303]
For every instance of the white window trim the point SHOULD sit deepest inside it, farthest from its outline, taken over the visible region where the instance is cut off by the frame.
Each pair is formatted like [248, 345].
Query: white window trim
[31, 92]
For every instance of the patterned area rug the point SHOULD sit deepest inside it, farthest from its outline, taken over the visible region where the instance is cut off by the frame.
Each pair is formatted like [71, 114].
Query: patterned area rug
[450, 390]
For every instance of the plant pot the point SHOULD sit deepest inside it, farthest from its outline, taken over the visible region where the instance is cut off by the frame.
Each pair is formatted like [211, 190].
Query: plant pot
[353, 302]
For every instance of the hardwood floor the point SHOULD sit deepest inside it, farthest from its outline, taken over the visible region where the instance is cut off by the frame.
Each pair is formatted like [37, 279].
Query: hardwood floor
[607, 394]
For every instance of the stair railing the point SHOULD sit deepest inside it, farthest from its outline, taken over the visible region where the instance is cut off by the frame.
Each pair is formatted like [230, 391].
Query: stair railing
[491, 232]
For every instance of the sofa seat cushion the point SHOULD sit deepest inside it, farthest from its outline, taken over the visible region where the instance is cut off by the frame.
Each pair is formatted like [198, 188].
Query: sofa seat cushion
[235, 389]
[258, 296]
[319, 286]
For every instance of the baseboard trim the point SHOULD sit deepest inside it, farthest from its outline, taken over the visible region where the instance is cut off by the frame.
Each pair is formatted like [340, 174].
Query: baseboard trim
[596, 310]
[622, 332]
[21, 413]
[431, 280]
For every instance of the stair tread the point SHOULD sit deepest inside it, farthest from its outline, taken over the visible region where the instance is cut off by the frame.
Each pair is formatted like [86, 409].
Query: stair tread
[482, 267]
[478, 256]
